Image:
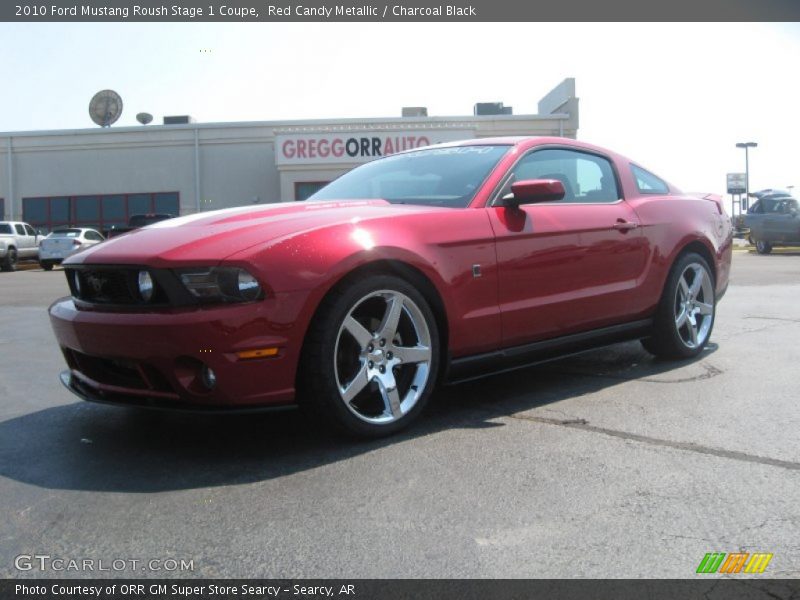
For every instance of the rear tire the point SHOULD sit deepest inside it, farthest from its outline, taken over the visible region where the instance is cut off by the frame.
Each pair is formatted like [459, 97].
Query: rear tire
[763, 247]
[46, 265]
[685, 315]
[370, 359]
[10, 261]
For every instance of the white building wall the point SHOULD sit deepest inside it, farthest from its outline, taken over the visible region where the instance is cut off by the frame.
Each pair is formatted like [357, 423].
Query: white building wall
[235, 174]
[237, 161]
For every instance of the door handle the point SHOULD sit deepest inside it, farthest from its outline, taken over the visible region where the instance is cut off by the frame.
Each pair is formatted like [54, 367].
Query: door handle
[623, 225]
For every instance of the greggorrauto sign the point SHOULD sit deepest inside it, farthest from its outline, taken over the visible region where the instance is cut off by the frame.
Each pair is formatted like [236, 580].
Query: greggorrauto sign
[357, 146]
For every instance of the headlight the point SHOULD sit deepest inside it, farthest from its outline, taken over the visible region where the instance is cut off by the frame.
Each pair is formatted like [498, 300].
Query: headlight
[221, 284]
[145, 282]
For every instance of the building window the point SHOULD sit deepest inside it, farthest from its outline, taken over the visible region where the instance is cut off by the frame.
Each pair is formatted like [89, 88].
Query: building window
[2, 208]
[166, 203]
[101, 212]
[304, 189]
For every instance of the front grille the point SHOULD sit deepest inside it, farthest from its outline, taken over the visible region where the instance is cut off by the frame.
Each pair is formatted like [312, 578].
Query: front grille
[118, 286]
[106, 286]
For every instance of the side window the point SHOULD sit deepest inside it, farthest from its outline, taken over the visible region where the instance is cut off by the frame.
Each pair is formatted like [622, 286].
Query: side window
[91, 235]
[648, 183]
[587, 178]
[20, 229]
[30, 230]
[770, 206]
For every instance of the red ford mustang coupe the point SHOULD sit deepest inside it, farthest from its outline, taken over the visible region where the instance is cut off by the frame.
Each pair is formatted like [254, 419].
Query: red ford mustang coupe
[436, 265]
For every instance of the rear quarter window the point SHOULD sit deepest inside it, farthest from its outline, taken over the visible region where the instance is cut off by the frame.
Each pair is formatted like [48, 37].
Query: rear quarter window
[647, 183]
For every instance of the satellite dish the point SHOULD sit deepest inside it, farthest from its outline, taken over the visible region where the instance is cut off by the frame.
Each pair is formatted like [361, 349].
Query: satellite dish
[144, 118]
[105, 107]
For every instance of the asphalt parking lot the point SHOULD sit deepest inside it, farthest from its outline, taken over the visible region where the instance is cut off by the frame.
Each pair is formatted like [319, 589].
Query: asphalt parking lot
[611, 464]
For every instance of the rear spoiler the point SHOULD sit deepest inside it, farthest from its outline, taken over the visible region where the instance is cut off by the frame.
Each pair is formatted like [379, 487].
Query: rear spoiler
[715, 198]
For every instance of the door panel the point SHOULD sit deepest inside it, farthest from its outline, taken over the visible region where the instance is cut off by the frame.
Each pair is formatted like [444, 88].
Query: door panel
[783, 224]
[566, 268]
[779, 223]
[782, 227]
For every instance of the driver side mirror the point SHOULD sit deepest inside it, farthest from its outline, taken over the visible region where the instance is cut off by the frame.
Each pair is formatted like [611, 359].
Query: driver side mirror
[531, 191]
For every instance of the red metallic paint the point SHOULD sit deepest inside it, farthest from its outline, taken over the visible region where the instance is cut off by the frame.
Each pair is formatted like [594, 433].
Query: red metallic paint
[547, 269]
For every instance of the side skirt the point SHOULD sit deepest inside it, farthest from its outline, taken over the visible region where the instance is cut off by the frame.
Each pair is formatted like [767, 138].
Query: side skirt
[518, 357]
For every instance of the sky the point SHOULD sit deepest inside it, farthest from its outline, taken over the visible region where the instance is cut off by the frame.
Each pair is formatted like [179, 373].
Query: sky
[674, 97]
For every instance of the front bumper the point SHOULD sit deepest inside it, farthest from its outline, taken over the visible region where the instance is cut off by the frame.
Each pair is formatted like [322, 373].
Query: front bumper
[155, 359]
[100, 394]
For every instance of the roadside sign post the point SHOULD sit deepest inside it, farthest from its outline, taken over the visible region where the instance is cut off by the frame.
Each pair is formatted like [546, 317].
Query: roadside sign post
[737, 185]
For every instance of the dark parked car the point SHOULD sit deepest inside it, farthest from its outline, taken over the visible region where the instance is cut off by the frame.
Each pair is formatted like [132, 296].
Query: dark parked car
[137, 221]
[773, 220]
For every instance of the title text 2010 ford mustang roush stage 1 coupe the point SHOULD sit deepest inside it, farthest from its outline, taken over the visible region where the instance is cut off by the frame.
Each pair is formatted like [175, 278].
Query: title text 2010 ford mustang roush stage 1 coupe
[438, 264]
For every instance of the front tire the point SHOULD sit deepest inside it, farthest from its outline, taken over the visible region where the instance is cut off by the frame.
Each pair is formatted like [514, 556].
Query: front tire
[10, 261]
[685, 315]
[763, 247]
[371, 358]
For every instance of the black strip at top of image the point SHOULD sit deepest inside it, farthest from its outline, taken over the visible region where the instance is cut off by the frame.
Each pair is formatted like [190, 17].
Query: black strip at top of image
[277, 11]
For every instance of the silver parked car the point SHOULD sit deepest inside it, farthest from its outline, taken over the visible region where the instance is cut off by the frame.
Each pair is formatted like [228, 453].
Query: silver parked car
[63, 242]
[773, 220]
[18, 241]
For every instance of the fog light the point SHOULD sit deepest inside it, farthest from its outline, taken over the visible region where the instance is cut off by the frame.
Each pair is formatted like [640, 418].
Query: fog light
[208, 377]
[145, 286]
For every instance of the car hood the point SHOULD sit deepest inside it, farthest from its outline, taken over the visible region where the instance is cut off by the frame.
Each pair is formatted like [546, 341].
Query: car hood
[209, 237]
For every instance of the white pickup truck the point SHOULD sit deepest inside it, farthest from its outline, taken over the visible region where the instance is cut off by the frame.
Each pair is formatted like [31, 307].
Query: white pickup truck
[18, 241]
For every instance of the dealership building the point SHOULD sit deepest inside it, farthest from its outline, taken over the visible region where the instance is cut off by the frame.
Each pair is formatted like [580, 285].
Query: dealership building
[99, 177]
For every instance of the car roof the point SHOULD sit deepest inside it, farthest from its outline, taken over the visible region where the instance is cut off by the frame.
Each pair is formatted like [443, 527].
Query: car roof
[526, 142]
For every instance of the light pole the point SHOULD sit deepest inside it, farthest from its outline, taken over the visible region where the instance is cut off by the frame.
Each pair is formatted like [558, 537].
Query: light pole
[746, 146]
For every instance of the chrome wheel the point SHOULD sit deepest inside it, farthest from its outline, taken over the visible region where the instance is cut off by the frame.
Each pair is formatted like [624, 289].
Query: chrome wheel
[694, 305]
[382, 357]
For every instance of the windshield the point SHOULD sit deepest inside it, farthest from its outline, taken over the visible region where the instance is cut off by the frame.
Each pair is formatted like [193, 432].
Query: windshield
[436, 177]
[66, 233]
